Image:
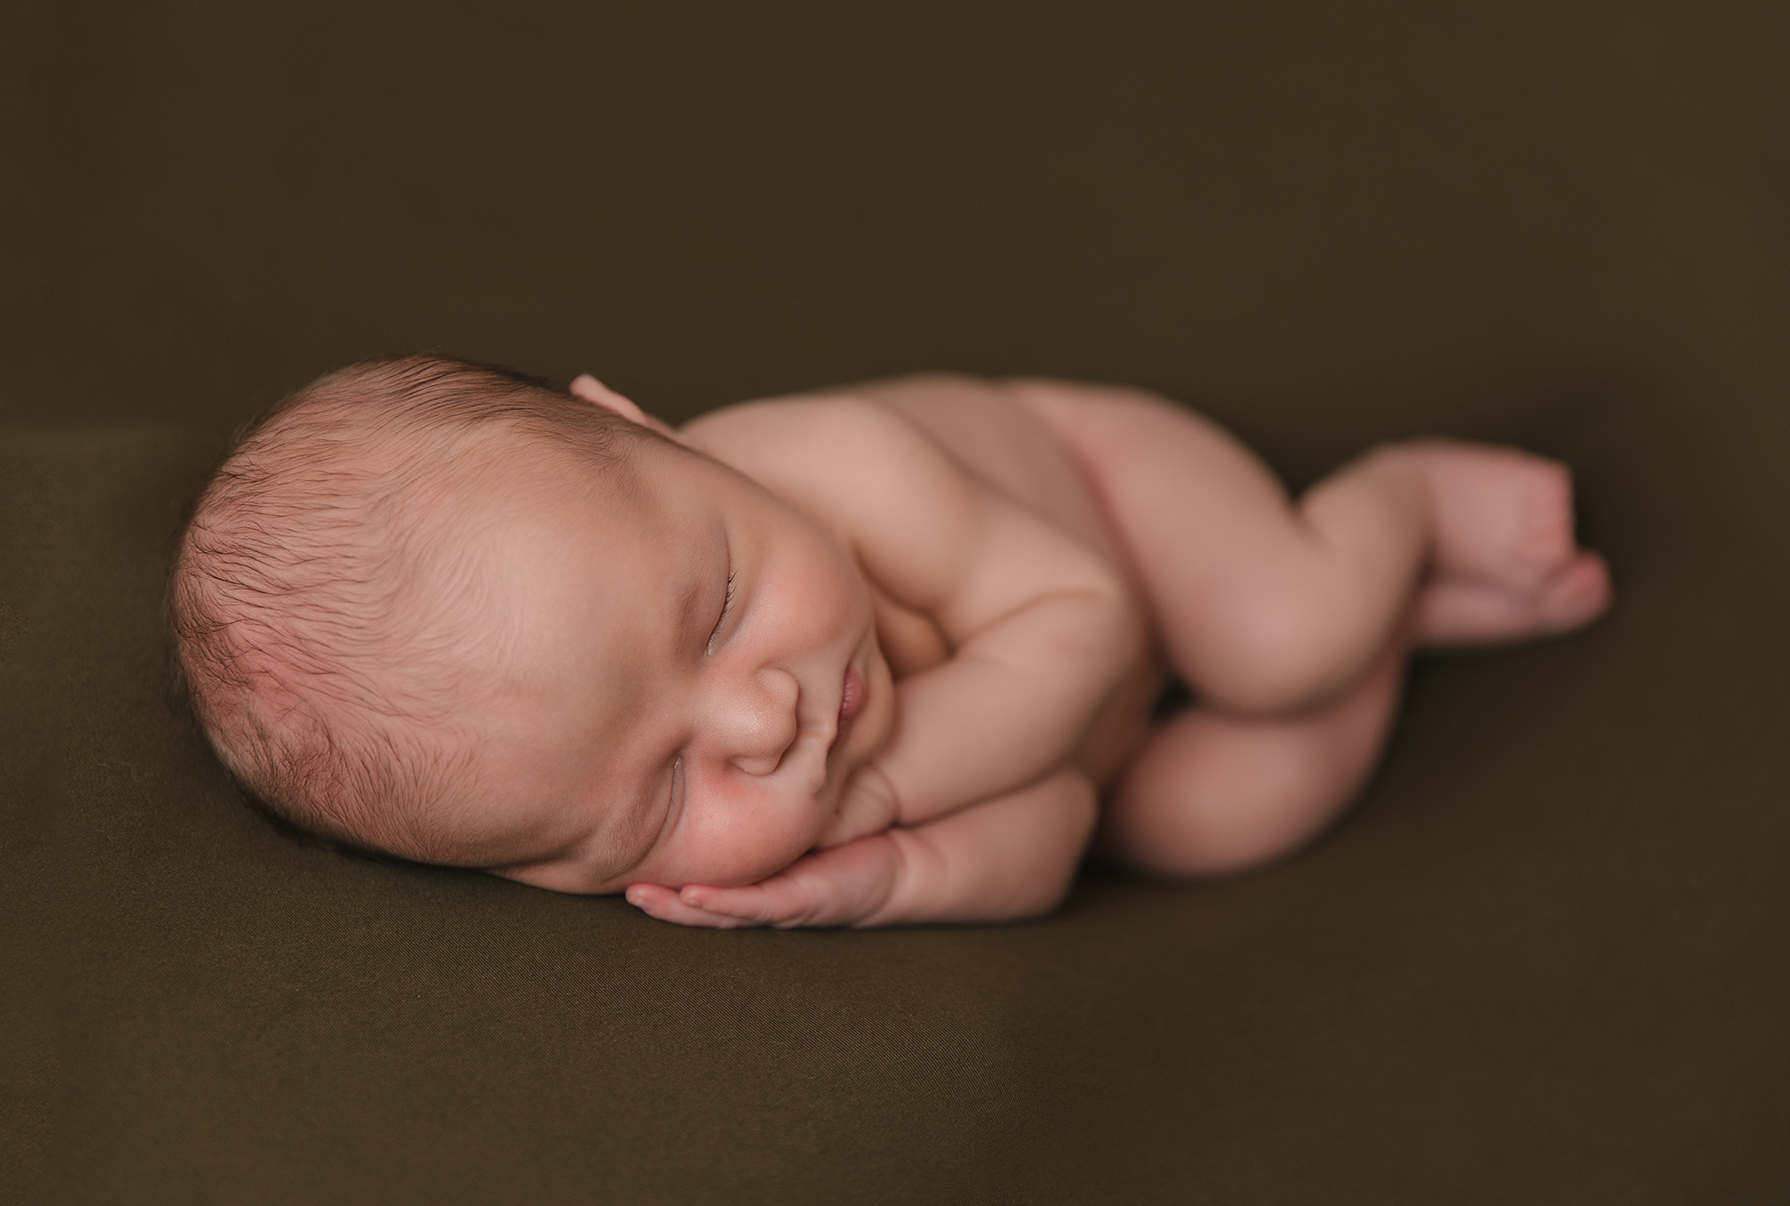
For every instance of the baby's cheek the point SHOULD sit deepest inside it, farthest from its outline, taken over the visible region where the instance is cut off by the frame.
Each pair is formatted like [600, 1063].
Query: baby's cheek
[746, 844]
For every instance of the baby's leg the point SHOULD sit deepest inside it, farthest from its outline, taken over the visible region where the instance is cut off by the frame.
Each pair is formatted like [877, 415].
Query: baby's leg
[1264, 607]
[1213, 793]
[1292, 621]
[1268, 607]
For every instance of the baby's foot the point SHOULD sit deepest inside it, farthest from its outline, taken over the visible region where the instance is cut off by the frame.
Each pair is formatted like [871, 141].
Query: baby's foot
[1502, 517]
[1456, 611]
[1505, 565]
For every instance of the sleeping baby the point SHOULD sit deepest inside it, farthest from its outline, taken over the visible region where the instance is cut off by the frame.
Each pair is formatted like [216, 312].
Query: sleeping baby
[889, 654]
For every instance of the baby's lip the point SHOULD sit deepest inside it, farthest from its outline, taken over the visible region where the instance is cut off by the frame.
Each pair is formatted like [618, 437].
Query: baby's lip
[851, 700]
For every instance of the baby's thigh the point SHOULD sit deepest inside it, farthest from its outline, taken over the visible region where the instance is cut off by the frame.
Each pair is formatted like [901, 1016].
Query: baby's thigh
[1174, 484]
[1239, 592]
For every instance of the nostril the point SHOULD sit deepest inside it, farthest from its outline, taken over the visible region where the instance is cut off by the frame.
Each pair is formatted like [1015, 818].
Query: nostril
[764, 765]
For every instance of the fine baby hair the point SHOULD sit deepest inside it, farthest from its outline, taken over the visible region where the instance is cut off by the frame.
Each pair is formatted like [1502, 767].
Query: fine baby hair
[324, 591]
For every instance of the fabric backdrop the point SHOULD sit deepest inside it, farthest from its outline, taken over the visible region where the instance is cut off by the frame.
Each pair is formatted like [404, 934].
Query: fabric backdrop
[1545, 960]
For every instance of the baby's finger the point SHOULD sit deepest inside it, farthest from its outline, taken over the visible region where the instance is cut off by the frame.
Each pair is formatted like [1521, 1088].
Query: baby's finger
[776, 901]
[867, 806]
[663, 904]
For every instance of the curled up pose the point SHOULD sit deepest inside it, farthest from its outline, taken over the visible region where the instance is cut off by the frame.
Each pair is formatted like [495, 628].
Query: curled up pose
[885, 654]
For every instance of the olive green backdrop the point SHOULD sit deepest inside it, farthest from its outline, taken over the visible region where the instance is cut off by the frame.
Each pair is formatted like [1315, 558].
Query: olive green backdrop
[1547, 960]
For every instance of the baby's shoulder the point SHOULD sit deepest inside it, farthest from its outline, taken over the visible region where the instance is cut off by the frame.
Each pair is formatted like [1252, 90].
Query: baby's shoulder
[906, 450]
[797, 426]
[826, 447]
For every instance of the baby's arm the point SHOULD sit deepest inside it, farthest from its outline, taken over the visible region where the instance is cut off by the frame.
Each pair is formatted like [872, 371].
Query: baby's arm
[999, 860]
[1039, 626]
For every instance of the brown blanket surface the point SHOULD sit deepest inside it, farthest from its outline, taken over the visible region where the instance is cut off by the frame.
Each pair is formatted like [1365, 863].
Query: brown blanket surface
[1545, 960]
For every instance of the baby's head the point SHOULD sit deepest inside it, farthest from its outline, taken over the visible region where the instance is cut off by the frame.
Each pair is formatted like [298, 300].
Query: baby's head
[440, 610]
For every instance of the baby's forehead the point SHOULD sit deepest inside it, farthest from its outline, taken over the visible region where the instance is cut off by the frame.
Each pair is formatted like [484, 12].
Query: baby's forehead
[559, 564]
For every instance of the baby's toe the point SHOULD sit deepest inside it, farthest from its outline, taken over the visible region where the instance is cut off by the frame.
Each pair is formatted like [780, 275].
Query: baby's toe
[1576, 595]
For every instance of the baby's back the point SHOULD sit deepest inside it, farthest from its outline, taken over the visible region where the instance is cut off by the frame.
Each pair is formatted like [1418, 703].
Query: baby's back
[1002, 440]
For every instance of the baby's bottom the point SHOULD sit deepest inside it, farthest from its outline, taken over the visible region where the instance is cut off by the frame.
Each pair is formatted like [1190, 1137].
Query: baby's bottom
[1292, 622]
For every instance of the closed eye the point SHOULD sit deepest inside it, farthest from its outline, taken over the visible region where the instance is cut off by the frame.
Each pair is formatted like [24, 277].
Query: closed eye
[726, 608]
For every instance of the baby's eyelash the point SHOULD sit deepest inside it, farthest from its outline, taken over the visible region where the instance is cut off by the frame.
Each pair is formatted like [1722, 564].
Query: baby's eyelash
[726, 606]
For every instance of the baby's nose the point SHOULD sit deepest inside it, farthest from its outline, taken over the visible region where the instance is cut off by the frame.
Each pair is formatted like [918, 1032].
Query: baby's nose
[757, 722]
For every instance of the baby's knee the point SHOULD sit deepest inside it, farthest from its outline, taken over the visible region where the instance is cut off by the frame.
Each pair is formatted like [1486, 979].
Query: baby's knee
[1276, 656]
[1212, 798]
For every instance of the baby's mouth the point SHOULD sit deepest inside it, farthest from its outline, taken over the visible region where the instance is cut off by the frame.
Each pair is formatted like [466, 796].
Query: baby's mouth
[851, 699]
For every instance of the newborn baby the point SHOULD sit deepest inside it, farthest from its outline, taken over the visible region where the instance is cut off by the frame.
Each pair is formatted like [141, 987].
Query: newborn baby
[879, 655]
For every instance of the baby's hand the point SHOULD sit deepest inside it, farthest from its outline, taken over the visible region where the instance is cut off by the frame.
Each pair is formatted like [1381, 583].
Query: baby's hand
[846, 885]
[867, 805]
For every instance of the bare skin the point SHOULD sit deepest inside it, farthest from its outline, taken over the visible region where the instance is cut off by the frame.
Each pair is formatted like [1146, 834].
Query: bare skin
[942, 609]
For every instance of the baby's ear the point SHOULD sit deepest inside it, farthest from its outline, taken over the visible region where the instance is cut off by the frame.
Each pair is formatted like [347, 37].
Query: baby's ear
[590, 389]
